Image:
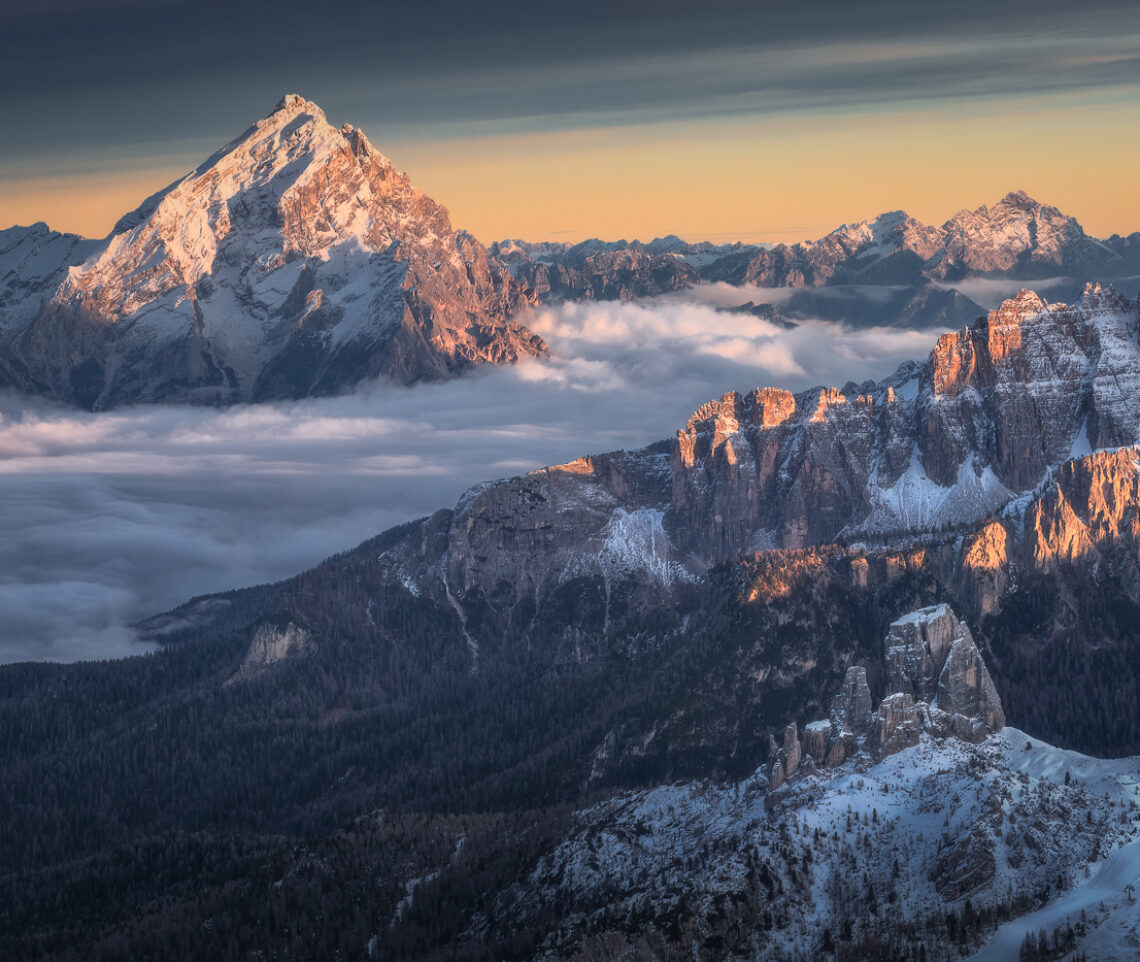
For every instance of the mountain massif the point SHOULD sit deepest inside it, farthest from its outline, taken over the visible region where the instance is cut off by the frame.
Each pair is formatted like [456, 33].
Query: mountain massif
[890, 270]
[297, 261]
[740, 694]
[844, 674]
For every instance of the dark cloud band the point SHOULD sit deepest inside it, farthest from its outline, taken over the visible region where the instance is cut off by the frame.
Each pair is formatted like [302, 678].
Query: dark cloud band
[101, 77]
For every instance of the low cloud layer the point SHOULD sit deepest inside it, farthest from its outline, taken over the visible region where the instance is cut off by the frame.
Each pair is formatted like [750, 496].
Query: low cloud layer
[991, 291]
[109, 518]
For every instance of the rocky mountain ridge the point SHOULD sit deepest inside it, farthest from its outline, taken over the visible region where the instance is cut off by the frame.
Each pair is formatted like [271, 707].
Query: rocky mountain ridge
[937, 683]
[296, 260]
[949, 442]
[1018, 237]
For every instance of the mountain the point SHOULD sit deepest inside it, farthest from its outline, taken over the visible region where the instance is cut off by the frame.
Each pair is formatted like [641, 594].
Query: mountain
[1018, 235]
[935, 832]
[296, 260]
[917, 841]
[890, 270]
[645, 687]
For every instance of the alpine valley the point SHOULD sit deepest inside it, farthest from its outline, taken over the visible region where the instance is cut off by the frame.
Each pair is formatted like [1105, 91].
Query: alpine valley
[845, 674]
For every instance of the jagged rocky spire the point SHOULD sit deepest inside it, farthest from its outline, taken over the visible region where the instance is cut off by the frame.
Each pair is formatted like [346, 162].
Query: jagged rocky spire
[937, 683]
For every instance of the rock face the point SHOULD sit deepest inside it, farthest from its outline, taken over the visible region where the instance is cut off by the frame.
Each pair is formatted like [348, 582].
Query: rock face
[271, 645]
[917, 648]
[296, 260]
[851, 710]
[937, 683]
[788, 758]
[945, 442]
[1084, 515]
[817, 736]
[897, 724]
[1085, 509]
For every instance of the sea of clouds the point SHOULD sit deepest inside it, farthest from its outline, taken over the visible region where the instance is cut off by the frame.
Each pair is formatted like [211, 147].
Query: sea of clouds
[112, 517]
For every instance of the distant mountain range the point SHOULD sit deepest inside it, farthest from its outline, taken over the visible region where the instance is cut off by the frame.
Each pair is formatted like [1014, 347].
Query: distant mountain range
[297, 261]
[892, 270]
[1017, 237]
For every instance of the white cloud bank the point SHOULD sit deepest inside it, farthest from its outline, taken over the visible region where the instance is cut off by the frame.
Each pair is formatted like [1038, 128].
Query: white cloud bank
[109, 518]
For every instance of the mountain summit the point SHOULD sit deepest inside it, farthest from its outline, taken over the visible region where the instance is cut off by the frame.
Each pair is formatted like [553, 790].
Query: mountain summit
[296, 260]
[890, 270]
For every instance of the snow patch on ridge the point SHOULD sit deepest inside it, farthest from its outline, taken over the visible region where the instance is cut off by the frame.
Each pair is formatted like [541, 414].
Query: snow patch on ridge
[635, 541]
[631, 543]
[915, 500]
[933, 613]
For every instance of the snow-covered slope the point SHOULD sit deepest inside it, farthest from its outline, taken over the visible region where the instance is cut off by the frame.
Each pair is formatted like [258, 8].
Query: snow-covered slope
[33, 262]
[295, 260]
[1099, 909]
[872, 852]
[927, 844]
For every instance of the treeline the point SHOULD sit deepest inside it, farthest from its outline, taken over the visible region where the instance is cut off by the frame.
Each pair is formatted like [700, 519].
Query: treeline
[1065, 656]
[100, 754]
[392, 886]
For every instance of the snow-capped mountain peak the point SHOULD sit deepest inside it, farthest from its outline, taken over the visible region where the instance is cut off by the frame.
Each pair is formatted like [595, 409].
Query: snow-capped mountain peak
[293, 104]
[1017, 232]
[295, 231]
[264, 182]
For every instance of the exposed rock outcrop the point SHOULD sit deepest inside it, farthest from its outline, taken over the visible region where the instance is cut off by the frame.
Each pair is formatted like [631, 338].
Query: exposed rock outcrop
[898, 724]
[851, 709]
[931, 656]
[946, 442]
[817, 737]
[271, 644]
[937, 683]
[787, 760]
[296, 260]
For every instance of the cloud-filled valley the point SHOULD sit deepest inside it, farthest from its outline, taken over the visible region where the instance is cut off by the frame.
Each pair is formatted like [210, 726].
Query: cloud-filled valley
[115, 516]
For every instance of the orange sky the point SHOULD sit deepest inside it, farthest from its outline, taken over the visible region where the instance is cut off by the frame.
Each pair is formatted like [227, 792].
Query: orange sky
[781, 177]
